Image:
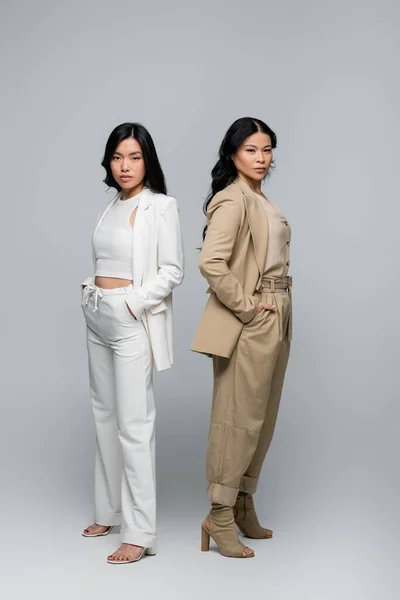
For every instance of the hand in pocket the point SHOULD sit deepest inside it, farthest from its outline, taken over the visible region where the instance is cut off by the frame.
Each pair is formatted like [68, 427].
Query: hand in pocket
[263, 306]
[127, 306]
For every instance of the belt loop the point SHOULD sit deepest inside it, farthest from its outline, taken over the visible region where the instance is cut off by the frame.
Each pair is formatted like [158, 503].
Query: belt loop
[273, 286]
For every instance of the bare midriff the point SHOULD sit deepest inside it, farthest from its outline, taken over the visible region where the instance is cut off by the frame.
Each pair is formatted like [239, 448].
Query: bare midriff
[109, 283]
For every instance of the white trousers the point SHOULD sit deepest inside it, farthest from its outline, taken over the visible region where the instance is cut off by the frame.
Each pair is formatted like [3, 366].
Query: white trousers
[120, 372]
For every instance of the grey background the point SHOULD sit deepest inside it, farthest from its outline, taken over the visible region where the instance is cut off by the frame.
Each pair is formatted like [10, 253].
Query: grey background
[325, 76]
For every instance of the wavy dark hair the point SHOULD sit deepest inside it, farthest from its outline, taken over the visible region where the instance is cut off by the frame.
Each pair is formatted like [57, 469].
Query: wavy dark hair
[154, 178]
[224, 171]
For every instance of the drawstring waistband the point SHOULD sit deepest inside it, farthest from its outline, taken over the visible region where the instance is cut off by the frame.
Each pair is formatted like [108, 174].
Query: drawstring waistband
[98, 293]
[93, 290]
[272, 285]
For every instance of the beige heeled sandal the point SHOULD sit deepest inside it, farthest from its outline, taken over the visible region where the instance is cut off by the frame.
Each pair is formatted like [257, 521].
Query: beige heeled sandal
[219, 525]
[246, 518]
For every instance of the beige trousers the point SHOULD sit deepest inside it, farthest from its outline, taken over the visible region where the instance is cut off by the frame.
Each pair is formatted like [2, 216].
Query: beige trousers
[247, 392]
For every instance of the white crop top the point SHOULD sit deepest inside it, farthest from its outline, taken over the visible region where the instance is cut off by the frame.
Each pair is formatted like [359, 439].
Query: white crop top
[112, 243]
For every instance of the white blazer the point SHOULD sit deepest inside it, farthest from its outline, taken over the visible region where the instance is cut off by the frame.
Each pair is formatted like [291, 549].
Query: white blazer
[157, 268]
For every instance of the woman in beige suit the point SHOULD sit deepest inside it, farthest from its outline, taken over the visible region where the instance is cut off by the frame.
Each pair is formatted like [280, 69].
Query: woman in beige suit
[246, 328]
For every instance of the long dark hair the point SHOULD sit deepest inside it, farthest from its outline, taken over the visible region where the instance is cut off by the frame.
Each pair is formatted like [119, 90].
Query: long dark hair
[154, 178]
[224, 171]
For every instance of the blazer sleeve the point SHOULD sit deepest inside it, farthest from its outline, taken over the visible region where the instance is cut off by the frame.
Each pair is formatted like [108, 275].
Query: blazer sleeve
[225, 218]
[170, 263]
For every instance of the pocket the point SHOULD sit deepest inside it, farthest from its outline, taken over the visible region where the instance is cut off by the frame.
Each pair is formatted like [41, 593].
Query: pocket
[257, 299]
[128, 312]
[84, 304]
[259, 317]
[83, 294]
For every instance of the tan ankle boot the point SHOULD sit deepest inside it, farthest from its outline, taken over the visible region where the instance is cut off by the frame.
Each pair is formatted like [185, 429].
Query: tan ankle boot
[220, 525]
[246, 518]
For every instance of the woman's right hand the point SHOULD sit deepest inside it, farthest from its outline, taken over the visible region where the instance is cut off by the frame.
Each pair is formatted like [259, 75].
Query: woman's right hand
[263, 306]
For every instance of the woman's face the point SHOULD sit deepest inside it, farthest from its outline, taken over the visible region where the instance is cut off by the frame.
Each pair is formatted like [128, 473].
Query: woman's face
[253, 158]
[127, 165]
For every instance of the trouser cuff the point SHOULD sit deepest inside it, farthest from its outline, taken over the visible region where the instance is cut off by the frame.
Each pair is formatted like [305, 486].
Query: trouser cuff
[107, 519]
[248, 484]
[138, 538]
[222, 494]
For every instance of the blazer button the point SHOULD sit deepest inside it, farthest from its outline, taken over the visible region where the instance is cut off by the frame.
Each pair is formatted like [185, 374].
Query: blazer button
[288, 263]
[286, 223]
[288, 243]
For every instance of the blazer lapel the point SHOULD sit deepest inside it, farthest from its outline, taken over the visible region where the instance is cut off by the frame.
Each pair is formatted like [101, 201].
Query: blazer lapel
[258, 224]
[141, 235]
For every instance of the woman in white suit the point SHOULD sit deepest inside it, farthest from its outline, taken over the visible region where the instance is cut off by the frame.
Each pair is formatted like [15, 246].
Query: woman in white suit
[138, 260]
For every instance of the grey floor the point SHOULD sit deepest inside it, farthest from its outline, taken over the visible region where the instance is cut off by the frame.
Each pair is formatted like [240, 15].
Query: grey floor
[313, 556]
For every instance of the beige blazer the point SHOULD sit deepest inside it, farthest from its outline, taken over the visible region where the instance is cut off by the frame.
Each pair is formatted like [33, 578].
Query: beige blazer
[232, 260]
